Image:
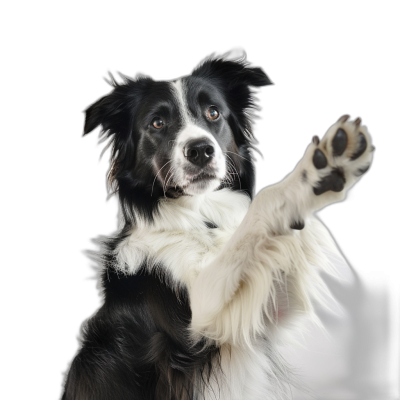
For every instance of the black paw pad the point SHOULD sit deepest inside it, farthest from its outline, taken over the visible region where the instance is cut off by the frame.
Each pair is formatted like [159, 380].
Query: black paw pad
[335, 182]
[319, 159]
[361, 146]
[298, 225]
[361, 171]
[339, 142]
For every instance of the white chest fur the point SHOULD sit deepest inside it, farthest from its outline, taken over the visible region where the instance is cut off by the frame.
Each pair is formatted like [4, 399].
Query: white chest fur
[179, 239]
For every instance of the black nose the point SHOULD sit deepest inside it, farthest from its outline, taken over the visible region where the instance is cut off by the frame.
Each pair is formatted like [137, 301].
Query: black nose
[199, 152]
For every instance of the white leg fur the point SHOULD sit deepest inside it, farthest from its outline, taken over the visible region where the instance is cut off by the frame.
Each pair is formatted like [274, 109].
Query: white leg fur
[235, 296]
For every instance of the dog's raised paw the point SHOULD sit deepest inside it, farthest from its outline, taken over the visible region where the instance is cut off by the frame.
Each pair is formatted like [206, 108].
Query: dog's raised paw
[341, 156]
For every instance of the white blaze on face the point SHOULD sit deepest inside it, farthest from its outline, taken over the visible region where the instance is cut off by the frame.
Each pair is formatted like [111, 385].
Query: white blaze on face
[181, 165]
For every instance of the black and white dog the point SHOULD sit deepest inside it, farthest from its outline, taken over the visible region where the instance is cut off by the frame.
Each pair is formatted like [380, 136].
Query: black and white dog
[202, 279]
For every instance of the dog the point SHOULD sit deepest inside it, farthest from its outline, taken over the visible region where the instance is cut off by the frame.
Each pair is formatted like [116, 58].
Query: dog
[203, 279]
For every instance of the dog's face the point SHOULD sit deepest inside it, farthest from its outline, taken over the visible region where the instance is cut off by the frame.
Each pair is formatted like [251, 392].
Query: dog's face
[182, 137]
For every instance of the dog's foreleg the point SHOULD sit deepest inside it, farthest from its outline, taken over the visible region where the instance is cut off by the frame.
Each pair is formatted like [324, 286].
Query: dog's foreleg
[231, 297]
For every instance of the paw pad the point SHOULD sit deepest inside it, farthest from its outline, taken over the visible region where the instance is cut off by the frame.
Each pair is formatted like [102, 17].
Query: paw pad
[339, 142]
[334, 181]
[319, 159]
[361, 147]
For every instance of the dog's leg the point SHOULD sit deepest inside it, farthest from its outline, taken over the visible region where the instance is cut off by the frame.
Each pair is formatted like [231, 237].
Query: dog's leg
[232, 296]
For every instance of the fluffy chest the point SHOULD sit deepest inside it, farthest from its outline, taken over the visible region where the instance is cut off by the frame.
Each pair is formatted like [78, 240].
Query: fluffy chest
[179, 239]
[183, 254]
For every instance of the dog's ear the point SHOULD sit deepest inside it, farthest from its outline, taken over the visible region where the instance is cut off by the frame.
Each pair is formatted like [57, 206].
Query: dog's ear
[96, 114]
[114, 111]
[232, 73]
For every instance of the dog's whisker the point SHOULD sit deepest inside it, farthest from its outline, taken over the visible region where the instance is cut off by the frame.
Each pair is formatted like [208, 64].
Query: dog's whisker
[165, 178]
[244, 158]
[233, 166]
[171, 177]
[152, 186]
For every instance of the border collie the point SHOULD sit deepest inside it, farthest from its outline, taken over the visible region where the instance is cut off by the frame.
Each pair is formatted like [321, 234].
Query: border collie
[203, 278]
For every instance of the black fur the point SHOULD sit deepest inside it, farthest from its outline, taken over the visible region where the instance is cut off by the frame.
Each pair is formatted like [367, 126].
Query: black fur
[137, 345]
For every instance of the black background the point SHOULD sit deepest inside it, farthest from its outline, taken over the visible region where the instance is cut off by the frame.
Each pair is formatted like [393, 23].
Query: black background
[320, 72]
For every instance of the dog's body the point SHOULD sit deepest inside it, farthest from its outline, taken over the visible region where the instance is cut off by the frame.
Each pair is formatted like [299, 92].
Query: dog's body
[201, 280]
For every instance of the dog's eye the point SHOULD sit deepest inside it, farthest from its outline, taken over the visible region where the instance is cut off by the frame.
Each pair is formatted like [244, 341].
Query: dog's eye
[157, 122]
[212, 113]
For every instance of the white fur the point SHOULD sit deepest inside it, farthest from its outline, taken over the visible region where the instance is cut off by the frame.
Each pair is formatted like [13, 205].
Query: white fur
[252, 275]
[189, 132]
[179, 91]
[179, 238]
[182, 178]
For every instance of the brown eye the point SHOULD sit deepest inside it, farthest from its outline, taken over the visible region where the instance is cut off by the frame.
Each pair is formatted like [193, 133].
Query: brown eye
[212, 113]
[158, 123]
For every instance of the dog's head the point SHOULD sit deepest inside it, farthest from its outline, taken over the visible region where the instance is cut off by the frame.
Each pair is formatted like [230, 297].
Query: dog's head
[183, 137]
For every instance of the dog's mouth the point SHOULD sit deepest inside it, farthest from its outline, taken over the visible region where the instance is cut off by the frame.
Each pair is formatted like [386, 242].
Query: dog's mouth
[193, 184]
[200, 177]
[200, 183]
